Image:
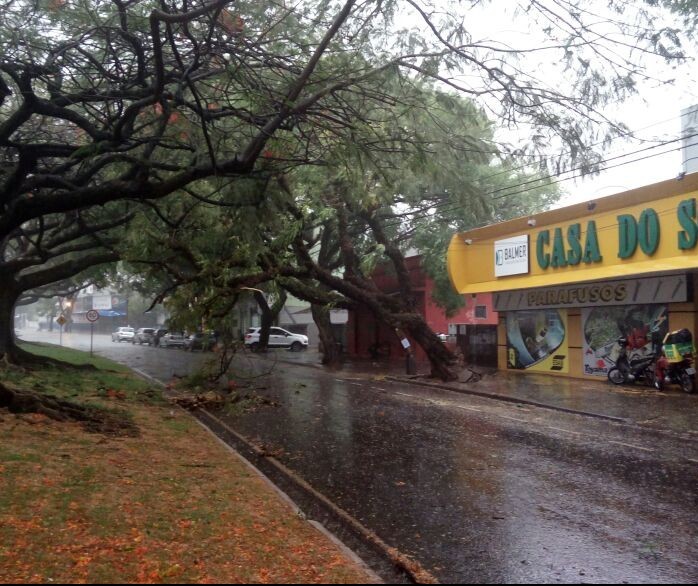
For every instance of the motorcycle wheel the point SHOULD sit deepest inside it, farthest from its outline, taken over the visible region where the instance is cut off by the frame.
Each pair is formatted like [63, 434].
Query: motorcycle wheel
[688, 383]
[649, 377]
[616, 376]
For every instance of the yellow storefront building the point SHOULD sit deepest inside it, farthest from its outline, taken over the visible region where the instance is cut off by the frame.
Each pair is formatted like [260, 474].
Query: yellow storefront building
[569, 282]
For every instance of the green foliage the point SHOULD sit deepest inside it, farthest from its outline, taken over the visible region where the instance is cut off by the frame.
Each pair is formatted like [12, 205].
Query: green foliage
[377, 127]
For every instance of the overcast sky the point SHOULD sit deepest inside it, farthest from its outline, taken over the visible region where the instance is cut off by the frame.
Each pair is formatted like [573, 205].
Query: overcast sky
[654, 114]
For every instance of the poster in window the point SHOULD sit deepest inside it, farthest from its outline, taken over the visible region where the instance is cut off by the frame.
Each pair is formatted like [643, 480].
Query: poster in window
[641, 325]
[537, 340]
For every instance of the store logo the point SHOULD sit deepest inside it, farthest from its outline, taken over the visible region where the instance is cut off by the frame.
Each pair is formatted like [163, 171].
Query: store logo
[511, 256]
[558, 362]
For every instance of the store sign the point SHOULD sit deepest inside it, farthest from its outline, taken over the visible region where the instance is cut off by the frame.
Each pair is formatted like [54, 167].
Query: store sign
[101, 302]
[511, 256]
[637, 236]
[646, 231]
[555, 249]
[668, 289]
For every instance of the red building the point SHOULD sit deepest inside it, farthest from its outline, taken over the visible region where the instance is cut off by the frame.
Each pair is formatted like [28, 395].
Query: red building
[473, 328]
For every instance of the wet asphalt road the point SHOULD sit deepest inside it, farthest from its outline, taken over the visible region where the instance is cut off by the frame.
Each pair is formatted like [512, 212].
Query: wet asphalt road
[478, 490]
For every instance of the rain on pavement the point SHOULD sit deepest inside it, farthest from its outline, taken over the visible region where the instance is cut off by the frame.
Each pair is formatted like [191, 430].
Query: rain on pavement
[474, 489]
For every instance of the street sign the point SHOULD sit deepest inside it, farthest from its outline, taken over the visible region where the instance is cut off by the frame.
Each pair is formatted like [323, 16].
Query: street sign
[92, 315]
[61, 321]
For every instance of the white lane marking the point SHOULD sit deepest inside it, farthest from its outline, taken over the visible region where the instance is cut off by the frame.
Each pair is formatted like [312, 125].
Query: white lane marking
[377, 389]
[630, 446]
[514, 418]
[565, 430]
[466, 408]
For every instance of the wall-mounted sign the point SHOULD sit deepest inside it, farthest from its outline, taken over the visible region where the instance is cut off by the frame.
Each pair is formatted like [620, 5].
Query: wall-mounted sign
[668, 289]
[511, 256]
[644, 231]
[102, 302]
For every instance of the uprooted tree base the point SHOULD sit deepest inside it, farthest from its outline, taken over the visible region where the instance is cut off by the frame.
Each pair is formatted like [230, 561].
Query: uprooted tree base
[93, 419]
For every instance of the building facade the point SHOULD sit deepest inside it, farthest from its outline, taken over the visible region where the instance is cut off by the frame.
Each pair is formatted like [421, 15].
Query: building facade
[568, 283]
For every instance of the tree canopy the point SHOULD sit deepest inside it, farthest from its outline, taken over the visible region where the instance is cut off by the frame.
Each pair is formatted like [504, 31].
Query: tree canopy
[369, 121]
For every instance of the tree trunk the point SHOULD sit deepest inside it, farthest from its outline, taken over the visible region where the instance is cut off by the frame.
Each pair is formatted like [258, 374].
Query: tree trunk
[8, 348]
[10, 352]
[331, 350]
[267, 319]
[441, 359]
[269, 315]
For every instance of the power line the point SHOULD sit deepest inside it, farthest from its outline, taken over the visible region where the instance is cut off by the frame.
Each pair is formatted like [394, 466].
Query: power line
[537, 180]
[630, 135]
[448, 206]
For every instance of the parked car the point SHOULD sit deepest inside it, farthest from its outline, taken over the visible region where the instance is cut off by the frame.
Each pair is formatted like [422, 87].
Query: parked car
[201, 341]
[122, 334]
[144, 336]
[157, 336]
[278, 338]
[172, 339]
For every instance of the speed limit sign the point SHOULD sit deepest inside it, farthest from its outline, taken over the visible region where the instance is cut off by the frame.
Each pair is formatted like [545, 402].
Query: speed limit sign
[92, 315]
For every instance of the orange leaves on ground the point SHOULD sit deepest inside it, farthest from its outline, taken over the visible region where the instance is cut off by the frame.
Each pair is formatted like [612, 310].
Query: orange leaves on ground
[264, 576]
[136, 510]
[22, 525]
[114, 394]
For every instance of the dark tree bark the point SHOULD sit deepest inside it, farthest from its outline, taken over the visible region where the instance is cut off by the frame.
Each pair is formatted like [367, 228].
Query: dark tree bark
[14, 284]
[396, 313]
[93, 419]
[8, 348]
[269, 316]
[331, 351]
[440, 357]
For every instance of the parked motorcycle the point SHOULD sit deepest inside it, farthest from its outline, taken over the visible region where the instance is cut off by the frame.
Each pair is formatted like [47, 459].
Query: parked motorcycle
[675, 365]
[679, 373]
[628, 370]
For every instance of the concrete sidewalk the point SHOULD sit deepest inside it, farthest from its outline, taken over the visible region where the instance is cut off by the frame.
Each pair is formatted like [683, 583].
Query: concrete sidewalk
[669, 410]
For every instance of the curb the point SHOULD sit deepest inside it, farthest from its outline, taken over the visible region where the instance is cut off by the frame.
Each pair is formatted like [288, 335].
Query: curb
[508, 399]
[346, 550]
[318, 526]
[401, 562]
[486, 395]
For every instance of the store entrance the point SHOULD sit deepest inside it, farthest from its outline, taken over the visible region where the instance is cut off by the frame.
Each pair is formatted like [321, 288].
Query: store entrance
[479, 345]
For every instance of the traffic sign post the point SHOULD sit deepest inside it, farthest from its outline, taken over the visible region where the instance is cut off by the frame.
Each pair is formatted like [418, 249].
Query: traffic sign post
[92, 316]
[61, 322]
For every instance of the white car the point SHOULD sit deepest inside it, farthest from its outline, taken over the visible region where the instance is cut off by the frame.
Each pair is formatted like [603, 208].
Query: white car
[122, 334]
[171, 339]
[278, 338]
